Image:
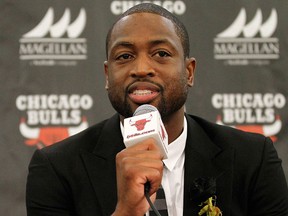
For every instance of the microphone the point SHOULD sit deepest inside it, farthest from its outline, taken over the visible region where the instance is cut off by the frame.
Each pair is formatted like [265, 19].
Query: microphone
[145, 123]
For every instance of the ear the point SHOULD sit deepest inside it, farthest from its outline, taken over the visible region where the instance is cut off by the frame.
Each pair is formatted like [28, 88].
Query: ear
[190, 70]
[106, 75]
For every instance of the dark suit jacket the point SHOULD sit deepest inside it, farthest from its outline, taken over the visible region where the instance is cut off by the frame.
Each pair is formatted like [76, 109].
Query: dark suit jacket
[77, 175]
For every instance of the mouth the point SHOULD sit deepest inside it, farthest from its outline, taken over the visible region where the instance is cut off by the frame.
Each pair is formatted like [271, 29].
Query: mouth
[143, 92]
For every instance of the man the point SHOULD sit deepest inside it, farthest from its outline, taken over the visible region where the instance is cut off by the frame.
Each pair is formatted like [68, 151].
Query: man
[92, 173]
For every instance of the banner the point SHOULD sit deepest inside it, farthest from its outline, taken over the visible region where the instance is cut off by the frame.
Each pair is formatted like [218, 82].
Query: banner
[52, 85]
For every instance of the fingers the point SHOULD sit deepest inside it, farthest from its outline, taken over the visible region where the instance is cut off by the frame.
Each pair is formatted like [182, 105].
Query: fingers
[136, 166]
[141, 169]
[142, 162]
[146, 145]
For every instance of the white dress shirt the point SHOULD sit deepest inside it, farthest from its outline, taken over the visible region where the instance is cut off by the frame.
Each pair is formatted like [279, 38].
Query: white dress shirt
[173, 174]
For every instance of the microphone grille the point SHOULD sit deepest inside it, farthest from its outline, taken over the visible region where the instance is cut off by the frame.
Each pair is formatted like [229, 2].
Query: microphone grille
[145, 108]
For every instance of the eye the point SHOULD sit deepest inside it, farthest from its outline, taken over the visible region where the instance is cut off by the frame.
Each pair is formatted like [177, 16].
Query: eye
[162, 53]
[125, 56]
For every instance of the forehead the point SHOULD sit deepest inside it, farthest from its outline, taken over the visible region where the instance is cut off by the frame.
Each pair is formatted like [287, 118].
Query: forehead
[143, 25]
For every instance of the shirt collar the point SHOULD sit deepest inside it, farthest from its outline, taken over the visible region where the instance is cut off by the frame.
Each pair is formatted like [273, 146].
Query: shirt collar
[175, 149]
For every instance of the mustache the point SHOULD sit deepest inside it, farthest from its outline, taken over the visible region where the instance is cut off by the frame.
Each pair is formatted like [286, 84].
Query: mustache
[144, 80]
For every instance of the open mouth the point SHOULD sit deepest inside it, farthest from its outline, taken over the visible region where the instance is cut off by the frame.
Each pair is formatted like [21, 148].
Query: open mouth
[143, 92]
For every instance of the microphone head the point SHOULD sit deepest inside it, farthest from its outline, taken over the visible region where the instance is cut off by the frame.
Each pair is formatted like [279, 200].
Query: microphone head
[145, 108]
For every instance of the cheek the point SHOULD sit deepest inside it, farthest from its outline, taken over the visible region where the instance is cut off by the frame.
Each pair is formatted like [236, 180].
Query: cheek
[176, 75]
[117, 84]
[114, 78]
[117, 75]
[176, 83]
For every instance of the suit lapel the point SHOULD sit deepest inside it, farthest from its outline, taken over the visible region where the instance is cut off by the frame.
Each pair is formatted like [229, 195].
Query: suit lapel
[100, 164]
[203, 158]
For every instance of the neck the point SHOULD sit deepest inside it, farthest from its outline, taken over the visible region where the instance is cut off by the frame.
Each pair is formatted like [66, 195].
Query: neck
[174, 125]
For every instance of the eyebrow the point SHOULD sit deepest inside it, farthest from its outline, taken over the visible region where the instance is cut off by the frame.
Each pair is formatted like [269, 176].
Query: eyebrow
[163, 41]
[160, 41]
[121, 44]
[126, 44]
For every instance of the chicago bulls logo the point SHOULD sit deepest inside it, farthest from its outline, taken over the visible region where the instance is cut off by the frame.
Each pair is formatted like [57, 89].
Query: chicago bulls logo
[45, 136]
[270, 130]
[140, 124]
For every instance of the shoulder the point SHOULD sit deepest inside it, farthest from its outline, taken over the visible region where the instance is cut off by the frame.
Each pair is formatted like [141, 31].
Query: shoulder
[66, 155]
[218, 131]
[228, 137]
[252, 154]
[83, 141]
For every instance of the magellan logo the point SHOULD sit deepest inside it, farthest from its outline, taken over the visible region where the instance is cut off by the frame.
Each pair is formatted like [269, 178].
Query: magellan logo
[250, 29]
[49, 42]
[177, 7]
[248, 42]
[255, 112]
[58, 29]
[48, 119]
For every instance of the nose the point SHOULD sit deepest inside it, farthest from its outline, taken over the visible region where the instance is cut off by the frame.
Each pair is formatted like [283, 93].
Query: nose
[142, 68]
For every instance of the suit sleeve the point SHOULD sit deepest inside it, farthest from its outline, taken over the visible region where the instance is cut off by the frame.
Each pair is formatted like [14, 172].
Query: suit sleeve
[45, 193]
[269, 196]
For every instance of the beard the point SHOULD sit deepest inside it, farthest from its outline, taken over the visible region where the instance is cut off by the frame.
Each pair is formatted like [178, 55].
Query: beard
[121, 106]
[167, 105]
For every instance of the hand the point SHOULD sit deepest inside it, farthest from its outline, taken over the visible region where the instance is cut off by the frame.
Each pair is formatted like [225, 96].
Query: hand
[135, 166]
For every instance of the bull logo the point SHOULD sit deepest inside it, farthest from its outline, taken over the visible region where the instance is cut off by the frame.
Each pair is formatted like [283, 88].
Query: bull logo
[140, 124]
[45, 136]
[267, 130]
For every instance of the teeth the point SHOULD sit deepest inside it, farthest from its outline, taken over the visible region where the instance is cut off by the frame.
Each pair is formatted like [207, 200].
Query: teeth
[142, 92]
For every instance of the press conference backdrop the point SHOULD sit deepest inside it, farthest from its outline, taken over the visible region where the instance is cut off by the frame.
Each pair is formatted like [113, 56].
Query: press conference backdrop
[52, 79]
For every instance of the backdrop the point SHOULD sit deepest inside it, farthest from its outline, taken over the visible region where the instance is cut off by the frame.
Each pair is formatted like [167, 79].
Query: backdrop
[52, 79]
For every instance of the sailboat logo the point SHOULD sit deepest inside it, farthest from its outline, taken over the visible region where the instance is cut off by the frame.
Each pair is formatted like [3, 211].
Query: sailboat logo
[50, 41]
[58, 29]
[249, 30]
[246, 41]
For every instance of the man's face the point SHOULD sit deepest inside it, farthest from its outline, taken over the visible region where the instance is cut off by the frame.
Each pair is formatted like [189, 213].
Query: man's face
[146, 65]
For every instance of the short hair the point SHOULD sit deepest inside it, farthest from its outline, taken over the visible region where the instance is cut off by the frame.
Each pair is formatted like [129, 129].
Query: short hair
[180, 29]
